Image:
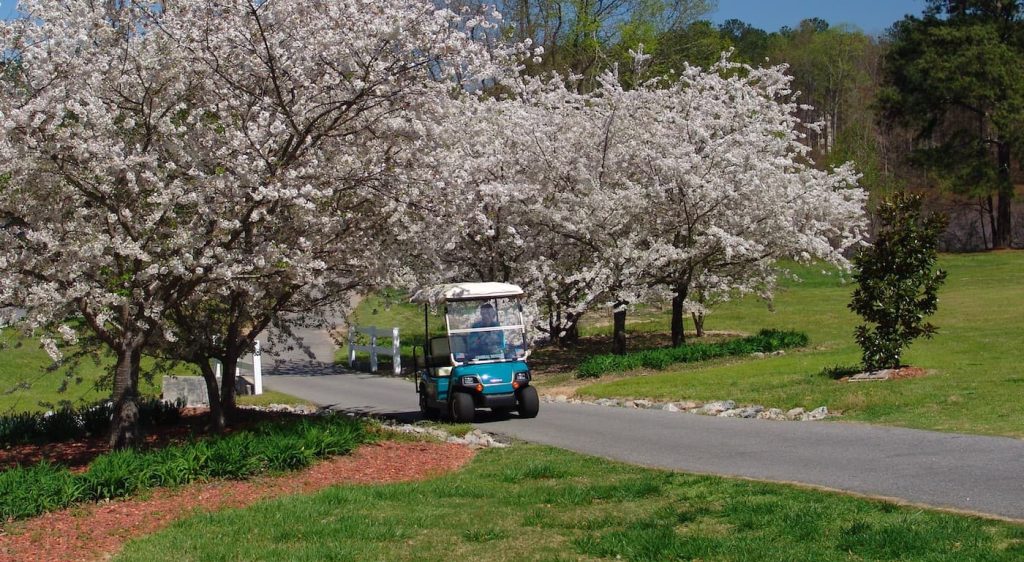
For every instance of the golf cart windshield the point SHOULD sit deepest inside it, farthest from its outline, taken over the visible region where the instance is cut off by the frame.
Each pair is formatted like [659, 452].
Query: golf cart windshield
[486, 330]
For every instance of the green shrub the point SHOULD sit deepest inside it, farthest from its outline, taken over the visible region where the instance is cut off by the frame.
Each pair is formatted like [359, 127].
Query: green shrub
[67, 424]
[281, 446]
[766, 341]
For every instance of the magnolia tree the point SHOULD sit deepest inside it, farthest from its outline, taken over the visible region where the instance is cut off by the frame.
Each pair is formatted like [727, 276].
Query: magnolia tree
[698, 181]
[181, 174]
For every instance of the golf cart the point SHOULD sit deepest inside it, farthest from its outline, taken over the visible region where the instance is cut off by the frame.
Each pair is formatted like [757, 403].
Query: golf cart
[480, 362]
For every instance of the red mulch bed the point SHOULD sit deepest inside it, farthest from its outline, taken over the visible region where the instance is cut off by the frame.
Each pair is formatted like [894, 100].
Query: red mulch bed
[96, 531]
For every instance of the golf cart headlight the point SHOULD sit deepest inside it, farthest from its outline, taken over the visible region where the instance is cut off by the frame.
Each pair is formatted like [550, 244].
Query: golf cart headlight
[523, 376]
[470, 381]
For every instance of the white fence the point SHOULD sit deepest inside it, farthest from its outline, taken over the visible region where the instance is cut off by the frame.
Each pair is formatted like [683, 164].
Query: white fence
[256, 365]
[394, 352]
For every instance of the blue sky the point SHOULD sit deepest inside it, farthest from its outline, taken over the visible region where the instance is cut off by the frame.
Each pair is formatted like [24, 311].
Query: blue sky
[873, 16]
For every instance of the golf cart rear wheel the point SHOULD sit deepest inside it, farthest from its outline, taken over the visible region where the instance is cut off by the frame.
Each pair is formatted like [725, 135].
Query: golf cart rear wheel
[428, 412]
[529, 402]
[462, 408]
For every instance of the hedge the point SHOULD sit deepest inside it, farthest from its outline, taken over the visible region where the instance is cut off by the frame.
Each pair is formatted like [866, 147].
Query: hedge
[766, 341]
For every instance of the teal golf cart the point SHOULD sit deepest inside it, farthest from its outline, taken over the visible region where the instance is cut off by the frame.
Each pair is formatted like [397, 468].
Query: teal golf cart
[480, 361]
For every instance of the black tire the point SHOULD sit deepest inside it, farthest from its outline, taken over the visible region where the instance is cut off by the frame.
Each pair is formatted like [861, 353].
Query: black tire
[529, 403]
[461, 408]
[428, 412]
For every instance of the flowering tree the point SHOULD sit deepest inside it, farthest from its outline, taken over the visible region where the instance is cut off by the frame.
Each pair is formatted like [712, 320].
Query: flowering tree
[623, 193]
[235, 158]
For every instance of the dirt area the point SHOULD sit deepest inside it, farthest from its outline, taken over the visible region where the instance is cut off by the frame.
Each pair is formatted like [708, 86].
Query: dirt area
[96, 531]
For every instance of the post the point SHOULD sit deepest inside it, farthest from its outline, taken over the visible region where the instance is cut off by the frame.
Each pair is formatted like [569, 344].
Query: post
[351, 346]
[257, 370]
[396, 352]
[373, 349]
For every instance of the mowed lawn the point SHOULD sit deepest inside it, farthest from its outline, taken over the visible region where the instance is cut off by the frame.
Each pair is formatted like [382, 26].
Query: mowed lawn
[976, 362]
[538, 503]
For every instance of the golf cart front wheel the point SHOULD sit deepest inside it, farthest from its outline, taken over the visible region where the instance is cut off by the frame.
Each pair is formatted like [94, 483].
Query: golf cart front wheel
[462, 408]
[529, 402]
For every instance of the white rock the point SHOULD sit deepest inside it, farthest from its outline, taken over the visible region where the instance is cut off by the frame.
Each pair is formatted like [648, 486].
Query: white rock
[561, 398]
[716, 408]
[642, 404]
[670, 407]
[816, 414]
[795, 413]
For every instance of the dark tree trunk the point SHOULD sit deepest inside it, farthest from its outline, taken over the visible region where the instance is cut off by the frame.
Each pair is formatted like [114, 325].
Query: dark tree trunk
[124, 425]
[227, 384]
[678, 338]
[217, 419]
[619, 329]
[698, 324]
[1003, 236]
[572, 332]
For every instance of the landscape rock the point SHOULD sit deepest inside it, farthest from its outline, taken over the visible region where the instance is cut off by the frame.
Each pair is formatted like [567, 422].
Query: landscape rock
[882, 375]
[747, 412]
[670, 407]
[606, 402]
[816, 414]
[772, 414]
[795, 413]
[757, 355]
[716, 408]
[689, 404]
[643, 404]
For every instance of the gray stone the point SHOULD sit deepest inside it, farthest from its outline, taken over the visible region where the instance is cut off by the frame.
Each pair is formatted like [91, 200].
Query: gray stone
[816, 414]
[190, 391]
[757, 355]
[777, 353]
[716, 408]
[772, 414]
[606, 402]
[561, 398]
[643, 404]
[670, 407]
[882, 375]
[747, 412]
[689, 404]
[795, 413]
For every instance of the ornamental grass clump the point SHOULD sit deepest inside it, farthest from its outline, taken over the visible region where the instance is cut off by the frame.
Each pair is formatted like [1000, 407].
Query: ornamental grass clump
[67, 423]
[766, 341]
[273, 447]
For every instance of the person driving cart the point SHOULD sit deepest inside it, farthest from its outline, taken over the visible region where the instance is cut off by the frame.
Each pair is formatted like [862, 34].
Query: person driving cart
[490, 342]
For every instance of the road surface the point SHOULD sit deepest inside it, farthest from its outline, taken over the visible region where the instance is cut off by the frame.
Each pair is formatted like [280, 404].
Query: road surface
[964, 472]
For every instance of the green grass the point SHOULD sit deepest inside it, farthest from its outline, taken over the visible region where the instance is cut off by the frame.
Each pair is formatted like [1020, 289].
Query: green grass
[975, 359]
[29, 383]
[271, 397]
[539, 503]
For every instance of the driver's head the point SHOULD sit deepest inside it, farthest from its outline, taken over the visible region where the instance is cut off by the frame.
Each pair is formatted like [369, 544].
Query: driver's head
[487, 312]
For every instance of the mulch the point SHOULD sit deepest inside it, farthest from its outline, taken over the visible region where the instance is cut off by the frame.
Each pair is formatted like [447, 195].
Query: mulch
[96, 531]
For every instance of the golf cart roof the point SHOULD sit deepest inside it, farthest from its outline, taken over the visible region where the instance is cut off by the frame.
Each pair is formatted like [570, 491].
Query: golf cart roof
[466, 292]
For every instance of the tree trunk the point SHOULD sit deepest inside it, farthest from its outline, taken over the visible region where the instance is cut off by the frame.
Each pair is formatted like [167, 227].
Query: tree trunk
[124, 425]
[227, 384]
[678, 338]
[1003, 236]
[217, 419]
[698, 324]
[619, 330]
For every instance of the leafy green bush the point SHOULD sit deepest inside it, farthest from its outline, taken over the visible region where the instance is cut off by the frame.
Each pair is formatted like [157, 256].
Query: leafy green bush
[766, 341]
[289, 445]
[67, 424]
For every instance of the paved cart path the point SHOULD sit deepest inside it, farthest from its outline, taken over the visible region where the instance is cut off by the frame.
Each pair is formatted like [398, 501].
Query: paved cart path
[982, 474]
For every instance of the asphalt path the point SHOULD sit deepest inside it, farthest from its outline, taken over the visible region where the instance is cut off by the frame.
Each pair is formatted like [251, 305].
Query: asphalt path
[946, 470]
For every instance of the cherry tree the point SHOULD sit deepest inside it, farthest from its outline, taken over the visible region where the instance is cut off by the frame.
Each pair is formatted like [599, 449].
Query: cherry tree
[619, 195]
[164, 162]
